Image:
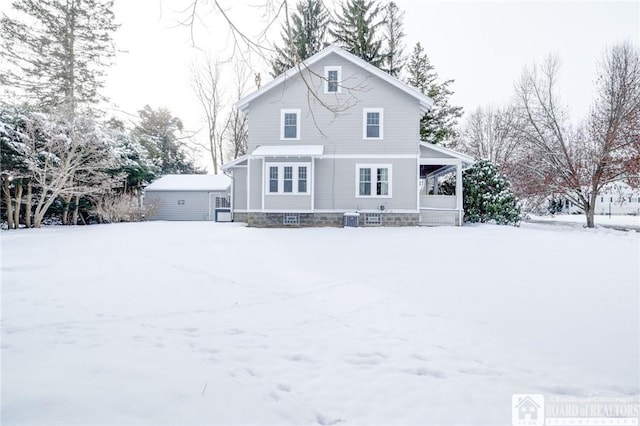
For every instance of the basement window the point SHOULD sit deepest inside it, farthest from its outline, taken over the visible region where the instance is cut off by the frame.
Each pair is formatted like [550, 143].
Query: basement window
[372, 219]
[291, 219]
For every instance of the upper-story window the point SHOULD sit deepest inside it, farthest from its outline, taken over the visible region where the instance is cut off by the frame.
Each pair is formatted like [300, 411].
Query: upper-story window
[372, 123]
[290, 124]
[332, 79]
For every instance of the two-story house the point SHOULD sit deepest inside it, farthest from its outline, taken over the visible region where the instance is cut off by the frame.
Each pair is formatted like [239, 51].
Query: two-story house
[334, 136]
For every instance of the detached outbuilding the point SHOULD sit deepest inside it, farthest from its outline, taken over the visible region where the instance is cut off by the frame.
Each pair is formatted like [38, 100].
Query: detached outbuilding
[190, 197]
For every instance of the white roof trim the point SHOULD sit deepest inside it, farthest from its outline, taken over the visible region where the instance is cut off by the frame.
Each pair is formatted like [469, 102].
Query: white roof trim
[288, 151]
[235, 162]
[425, 101]
[455, 154]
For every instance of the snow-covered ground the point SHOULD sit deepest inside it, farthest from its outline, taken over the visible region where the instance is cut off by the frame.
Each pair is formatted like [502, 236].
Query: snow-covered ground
[616, 220]
[204, 323]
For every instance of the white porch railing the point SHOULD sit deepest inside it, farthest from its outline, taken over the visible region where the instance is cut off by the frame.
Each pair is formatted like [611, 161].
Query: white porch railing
[438, 201]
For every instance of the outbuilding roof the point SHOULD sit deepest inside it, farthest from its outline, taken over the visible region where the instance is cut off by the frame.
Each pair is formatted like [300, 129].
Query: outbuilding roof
[191, 183]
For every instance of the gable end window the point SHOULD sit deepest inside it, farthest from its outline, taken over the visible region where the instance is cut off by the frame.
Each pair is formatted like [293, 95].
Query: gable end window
[332, 79]
[373, 180]
[290, 124]
[372, 123]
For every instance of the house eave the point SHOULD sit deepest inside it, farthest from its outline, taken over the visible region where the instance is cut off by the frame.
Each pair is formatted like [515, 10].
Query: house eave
[425, 101]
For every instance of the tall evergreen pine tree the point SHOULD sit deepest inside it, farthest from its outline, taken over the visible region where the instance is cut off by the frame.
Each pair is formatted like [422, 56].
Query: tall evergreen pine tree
[439, 124]
[305, 37]
[59, 57]
[357, 30]
[394, 58]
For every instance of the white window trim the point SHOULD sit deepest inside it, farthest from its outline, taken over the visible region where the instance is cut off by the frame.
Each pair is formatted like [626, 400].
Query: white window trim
[326, 79]
[294, 174]
[374, 182]
[289, 111]
[364, 123]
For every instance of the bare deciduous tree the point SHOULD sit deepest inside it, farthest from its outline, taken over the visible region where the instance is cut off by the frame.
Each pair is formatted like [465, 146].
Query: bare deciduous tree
[489, 133]
[205, 78]
[237, 134]
[577, 161]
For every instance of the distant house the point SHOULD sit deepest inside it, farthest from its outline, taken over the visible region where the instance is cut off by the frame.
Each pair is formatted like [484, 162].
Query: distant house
[190, 197]
[617, 198]
[338, 136]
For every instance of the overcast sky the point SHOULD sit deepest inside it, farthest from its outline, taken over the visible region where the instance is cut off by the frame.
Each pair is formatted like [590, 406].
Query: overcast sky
[482, 45]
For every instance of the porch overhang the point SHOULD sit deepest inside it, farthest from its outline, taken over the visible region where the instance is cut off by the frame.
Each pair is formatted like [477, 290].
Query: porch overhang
[445, 156]
[288, 151]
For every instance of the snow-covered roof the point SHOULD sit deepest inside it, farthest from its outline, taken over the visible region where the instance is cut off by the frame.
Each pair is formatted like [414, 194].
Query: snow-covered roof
[288, 151]
[425, 101]
[191, 183]
[449, 152]
[237, 162]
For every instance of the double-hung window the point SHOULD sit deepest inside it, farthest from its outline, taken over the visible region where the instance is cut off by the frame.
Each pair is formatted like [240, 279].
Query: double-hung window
[273, 179]
[287, 178]
[372, 123]
[332, 79]
[302, 178]
[290, 124]
[373, 180]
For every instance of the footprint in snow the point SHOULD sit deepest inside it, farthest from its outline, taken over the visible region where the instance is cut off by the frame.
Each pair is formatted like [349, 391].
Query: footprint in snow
[371, 355]
[251, 372]
[367, 358]
[299, 358]
[284, 388]
[234, 331]
[327, 421]
[480, 372]
[426, 372]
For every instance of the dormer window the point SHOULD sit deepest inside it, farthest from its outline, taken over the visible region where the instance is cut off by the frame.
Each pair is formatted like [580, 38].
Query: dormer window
[290, 124]
[332, 79]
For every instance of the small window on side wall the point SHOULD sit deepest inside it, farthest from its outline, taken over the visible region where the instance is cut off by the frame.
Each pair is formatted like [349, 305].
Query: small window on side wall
[372, 123]
[332, 79]
[290, 124]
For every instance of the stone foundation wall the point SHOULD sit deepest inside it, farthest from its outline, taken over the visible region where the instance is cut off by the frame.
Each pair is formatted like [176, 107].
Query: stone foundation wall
[240, 217]
[273, 220]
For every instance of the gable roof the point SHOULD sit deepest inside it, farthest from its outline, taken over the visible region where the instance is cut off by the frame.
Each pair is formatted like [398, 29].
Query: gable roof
[425, 101]
[448, 152]
[191, 183]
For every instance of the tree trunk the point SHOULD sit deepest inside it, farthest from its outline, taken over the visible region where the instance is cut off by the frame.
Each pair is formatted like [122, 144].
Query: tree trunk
[65, 209]
[27, 207]
[18, 206]
[7, 200]
[590, 211]
[74, 219]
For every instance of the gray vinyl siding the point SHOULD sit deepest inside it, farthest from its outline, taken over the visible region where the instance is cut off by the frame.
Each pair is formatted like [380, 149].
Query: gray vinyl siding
[239, 188]
[335, 185]
[195, 207]
[255, 180]
[287, 202]
[339, 130]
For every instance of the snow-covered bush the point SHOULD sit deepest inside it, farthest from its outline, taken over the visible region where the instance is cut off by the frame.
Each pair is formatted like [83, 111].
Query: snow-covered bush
[488, 196]
[122, 208]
